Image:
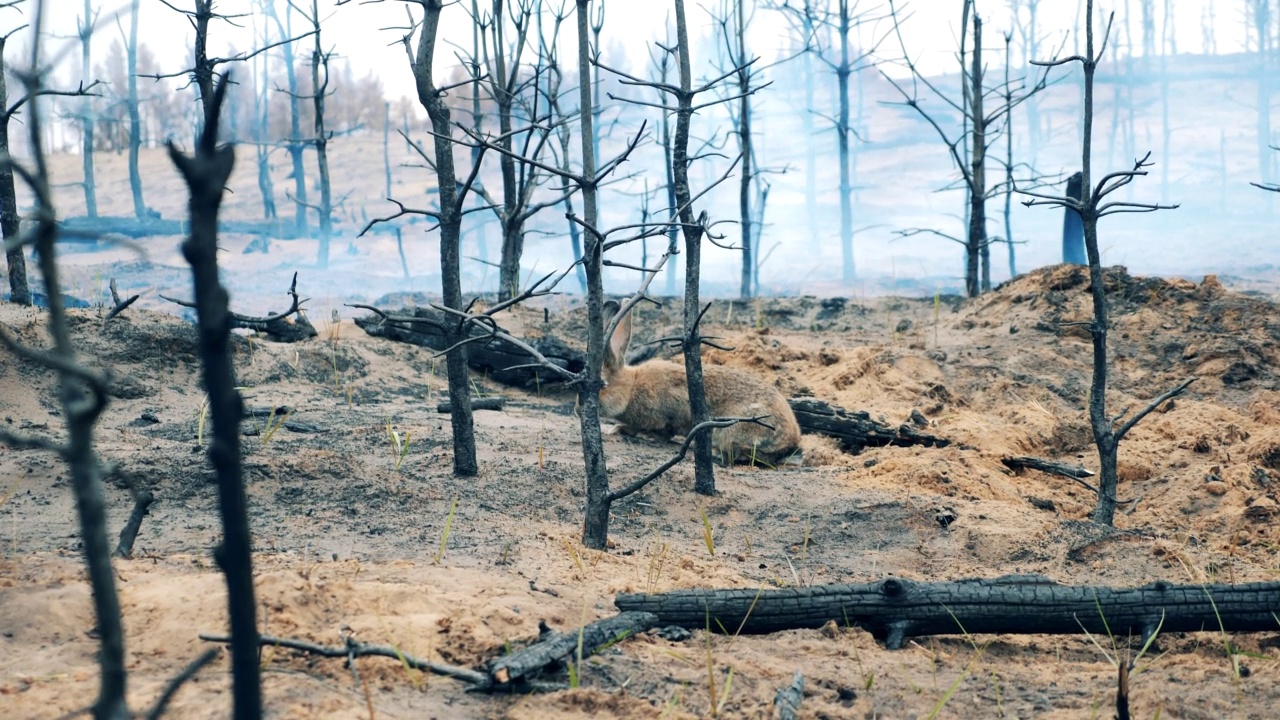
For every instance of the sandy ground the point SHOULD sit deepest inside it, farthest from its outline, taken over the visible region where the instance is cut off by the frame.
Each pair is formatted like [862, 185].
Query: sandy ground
[344, 540]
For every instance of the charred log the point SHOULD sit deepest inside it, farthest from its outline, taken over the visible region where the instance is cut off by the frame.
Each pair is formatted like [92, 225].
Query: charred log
[855, 430]
[492, 356]
[896, 609]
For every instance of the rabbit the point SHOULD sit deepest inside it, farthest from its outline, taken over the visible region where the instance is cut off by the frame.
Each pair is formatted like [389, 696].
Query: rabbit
[653, 397]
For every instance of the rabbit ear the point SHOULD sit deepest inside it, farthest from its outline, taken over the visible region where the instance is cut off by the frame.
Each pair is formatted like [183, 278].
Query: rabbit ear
[616, 353]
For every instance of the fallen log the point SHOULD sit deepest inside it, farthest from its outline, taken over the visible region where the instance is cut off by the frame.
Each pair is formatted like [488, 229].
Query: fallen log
[554, 649]
[86, 229]
[477, 403]
[494, 357]
[1053, 467]
[895, 609]
[855, 430]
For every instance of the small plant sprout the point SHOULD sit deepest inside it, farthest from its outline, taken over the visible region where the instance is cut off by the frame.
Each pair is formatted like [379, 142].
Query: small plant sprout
[399, 445]
[274, 422]
[573, 553]
[201, 416]
[708, 534]
[448, 528]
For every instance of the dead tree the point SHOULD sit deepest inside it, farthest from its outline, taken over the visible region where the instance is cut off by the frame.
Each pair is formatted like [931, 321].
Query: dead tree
[1258, 17]
[135, 116]
[1108, 431]
[511, 90]
[296, 145]
[19, 289]
[969, 149]
[550, 60]
[85, 27]
[319, 91]
[449, 218]
[263, 145]
[83, 395]
[735, 47]
[803, 19]
[844, 62]
[206, 174]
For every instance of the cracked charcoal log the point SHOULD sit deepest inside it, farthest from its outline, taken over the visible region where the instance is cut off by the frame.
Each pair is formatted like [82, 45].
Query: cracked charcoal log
[497, 359]
[489, 403]
[1076, 472]
[895, 609]
[556, 647]
[856, 430]
[787, 700]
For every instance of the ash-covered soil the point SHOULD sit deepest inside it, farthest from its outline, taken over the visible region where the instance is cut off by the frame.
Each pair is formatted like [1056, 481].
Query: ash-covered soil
[345, 540]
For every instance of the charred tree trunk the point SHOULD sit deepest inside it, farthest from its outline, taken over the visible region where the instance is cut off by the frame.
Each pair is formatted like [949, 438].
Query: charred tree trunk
[87, 120]
[897, 609]
[848, 272]
[262, 150]
[977, 278]
[1008, 159]
[296, 145]
[1262, 30]
[386, 146]
[135, 116]
[810, 154]
[19, 289]
[319, 88]
[704, 472]
[511, 215]
[206, 174]
[82, 394]
[744, 147]
[595, 527]
[464, 441]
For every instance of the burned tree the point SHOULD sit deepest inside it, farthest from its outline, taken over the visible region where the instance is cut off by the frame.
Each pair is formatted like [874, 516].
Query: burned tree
[135, 116]
[513, 91]
[296, 145]
[19, 289]
[82, 391]
[550, 60]
[449, 219]
[735, 47]
[85, 27]
[203, 73]
[1108, 431]
[844, 62]
[968, 150]
[319, 91]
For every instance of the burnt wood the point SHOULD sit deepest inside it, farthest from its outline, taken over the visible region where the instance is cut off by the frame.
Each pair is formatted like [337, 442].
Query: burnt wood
[490, 356]
[855, 430]
[554, 649]
[895, 609]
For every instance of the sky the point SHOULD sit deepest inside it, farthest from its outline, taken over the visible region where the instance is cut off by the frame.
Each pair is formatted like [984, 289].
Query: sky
[368, 34]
